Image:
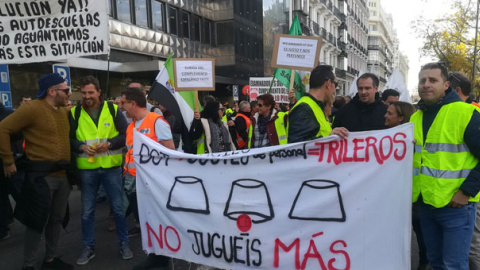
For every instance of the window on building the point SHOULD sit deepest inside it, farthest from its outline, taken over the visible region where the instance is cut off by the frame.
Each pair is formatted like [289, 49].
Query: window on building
[297, 5]
[141, 16]
[158, 16]
[123, 11]
[195, 26]
[224, 32]
[207, 30]
[110, 8]
[172, 20]
[185, 24]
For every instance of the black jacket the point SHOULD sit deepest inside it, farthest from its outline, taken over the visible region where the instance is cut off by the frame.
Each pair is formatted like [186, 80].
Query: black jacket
[359, 116]
[302, 123]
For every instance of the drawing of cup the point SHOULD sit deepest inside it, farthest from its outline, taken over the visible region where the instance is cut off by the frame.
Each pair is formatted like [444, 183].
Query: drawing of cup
[249, 197]
[318, 200]
[188, 195]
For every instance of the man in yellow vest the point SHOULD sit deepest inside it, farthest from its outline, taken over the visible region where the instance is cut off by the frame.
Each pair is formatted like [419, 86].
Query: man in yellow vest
[98, 134]
[446, 173]
[307, 120]
[156, 128]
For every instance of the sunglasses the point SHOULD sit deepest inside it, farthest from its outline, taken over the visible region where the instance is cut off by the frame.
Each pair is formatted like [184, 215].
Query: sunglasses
[65, 90]
[221, 109]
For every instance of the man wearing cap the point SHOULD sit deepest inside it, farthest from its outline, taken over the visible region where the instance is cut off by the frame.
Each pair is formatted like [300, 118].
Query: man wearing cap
[98, 135]
[44, 196]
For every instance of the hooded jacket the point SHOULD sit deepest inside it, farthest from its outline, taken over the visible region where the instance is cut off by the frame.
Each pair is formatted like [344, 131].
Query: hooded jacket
[360, 116]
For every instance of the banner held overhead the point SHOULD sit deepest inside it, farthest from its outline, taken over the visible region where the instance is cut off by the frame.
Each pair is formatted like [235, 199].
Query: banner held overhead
[48, 30]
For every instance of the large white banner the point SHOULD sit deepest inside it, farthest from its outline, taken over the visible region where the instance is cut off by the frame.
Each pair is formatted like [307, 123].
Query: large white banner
[46, 30]
[325, 204]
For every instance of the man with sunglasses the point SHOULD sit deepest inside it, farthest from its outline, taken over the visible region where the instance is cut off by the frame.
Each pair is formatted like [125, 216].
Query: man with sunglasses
[307, 120]
[366, 111]
[43, 200]
[98, 134]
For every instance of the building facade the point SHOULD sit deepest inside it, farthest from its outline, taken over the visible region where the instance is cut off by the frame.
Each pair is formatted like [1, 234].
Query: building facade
[239, 35]
[381, 42]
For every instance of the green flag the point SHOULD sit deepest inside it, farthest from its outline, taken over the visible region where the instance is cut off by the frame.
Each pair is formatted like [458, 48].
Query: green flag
[283, 75]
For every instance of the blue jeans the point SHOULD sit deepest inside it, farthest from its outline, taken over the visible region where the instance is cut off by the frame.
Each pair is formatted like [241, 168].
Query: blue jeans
[447, 233]
[111, 179]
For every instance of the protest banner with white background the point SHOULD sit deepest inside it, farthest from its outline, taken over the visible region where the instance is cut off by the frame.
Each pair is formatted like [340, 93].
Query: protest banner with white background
[194, 74]
[261, 85]
[326, 204]
[296, 52]
[48, 30]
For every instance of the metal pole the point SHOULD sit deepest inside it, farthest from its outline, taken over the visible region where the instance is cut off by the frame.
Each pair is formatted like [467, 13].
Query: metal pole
[474, 68]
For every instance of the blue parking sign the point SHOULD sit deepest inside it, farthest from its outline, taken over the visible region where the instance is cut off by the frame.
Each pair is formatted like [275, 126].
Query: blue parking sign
[64, 71]
[5, 89]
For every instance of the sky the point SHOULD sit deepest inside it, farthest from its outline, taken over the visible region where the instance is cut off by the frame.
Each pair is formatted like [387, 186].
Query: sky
[403, 13]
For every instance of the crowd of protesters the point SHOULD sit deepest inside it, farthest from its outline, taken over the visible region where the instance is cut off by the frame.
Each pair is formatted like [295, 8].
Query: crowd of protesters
[95, 140]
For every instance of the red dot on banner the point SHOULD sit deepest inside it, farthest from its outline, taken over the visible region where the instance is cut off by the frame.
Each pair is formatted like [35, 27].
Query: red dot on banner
[244, 223]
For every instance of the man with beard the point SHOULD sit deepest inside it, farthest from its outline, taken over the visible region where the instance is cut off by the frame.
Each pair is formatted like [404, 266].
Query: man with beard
[98, 135]
[43, 200]
[307, 120]
[366, 111]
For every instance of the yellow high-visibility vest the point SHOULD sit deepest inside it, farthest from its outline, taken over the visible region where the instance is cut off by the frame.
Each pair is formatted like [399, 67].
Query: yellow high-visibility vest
[442, 161]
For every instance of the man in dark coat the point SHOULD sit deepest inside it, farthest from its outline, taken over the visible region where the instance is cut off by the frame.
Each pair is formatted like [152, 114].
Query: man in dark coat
[366, 110]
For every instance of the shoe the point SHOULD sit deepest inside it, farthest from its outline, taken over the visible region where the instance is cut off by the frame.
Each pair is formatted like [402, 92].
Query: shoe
[57, 264]
[4, 236]
[152, 261]
[101, 200]
[111, 224]
[125, 251]
[88, 253]
[134, 231]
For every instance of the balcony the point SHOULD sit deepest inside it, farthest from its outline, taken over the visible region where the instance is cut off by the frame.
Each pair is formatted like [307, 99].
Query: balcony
[323, 33]
[340, 73]
[340, 15]
[316, 28]
[331, 38]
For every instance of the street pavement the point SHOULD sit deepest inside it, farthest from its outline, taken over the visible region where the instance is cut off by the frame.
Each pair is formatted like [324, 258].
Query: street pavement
[107, 249]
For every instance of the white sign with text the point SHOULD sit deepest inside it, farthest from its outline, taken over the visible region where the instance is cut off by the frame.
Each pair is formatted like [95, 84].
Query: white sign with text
[36, 31]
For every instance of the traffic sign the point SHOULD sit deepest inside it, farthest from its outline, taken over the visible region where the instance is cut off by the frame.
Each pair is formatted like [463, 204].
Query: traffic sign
[64, 71]
[5, 89]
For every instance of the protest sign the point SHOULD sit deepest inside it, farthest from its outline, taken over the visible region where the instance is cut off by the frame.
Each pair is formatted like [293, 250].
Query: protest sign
[261, 85]
[35, 31]
[326, 204]
[296, 52]
[194, 74]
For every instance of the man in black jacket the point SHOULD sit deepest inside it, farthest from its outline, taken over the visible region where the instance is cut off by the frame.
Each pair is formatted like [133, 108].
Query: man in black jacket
[307, 119]
[366, 110]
